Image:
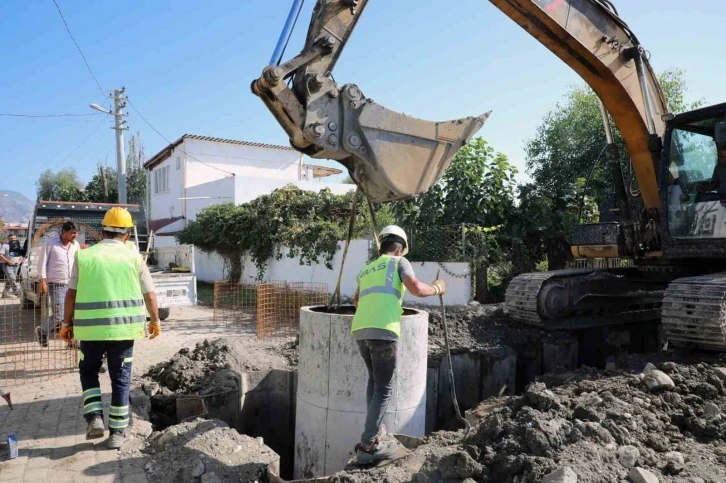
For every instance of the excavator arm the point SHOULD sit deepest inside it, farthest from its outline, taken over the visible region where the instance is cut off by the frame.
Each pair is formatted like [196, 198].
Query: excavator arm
[399, 156]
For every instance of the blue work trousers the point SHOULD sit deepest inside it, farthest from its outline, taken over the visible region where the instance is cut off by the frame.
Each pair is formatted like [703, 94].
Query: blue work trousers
[119, 354]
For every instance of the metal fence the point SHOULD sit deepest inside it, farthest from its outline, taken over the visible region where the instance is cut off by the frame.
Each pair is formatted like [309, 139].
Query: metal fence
[22, 358]
[271, 309]
[442, 244]
[279, 303]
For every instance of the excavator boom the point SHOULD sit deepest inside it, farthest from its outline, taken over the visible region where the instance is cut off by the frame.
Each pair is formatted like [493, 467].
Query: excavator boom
[399, 156]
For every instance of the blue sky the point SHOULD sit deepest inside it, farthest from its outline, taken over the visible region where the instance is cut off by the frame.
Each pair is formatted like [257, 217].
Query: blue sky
[187, 66]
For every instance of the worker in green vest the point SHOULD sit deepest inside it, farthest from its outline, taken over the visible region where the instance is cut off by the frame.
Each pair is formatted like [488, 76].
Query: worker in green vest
[376, 328]
[108, 295]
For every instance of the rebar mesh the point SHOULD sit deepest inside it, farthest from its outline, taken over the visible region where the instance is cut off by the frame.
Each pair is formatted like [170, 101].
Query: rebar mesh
[279, 303]
[22, 359]
[235, 303]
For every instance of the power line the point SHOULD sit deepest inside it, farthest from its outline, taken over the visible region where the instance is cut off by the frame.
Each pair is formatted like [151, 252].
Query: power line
[165, 139]
[47, 115]
[79, 50]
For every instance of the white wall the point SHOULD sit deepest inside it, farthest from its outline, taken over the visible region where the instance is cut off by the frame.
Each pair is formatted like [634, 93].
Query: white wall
[247, 189]
[219, 191]
[244, 189]
[238, 159]
[211, 161]
[167, 204]
[209, 268]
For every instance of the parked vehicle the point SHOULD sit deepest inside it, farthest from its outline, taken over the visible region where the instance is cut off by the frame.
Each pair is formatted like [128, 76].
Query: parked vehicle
[175, 280]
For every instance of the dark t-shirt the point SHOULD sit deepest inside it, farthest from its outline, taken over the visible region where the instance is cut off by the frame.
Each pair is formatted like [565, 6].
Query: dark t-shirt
[719, 177]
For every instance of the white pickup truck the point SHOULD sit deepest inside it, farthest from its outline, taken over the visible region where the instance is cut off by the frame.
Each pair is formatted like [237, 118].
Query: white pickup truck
[175, 287]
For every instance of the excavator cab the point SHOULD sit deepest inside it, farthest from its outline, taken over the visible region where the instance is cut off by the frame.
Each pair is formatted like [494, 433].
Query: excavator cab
[694, 183]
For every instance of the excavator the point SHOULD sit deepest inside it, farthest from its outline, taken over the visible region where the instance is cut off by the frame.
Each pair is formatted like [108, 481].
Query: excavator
[671, 217]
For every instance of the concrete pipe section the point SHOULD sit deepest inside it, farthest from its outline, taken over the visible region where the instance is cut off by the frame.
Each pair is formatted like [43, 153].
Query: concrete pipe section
[331, 389]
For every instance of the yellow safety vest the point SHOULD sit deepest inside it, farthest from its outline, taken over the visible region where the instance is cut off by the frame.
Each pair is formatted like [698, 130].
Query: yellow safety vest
[109, 301]
[381, 293]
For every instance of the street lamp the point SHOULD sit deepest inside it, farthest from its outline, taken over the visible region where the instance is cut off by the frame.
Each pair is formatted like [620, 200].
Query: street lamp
[99, 108]
[118, 113]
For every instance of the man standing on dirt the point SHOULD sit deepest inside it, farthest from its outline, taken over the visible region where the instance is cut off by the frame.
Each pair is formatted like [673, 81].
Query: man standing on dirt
[104, 310]
[376, 328]
[11, 255]
[55, 263]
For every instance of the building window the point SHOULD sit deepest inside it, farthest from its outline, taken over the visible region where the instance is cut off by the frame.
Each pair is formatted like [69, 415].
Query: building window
[161, 180]
[178, 162]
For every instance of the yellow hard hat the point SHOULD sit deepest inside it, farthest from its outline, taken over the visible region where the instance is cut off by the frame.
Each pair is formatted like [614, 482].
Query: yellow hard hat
[117, 220]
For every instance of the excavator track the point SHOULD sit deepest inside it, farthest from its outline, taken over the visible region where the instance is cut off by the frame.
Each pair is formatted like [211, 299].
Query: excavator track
[694, 312]
[523, 291]
[583, 298]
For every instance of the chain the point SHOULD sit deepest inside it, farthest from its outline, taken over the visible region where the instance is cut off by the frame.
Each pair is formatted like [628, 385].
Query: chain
[450, 273]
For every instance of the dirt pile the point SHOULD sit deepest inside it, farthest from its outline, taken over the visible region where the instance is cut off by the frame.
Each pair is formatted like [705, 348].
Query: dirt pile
[189, 370]
[666, 424]
[481, 328]
[204, 450]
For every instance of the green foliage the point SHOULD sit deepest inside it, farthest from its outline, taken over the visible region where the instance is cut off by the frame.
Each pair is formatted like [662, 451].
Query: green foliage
[310, 225]
[103, 186]
[63, 185]
[477, 188]
[559, 158]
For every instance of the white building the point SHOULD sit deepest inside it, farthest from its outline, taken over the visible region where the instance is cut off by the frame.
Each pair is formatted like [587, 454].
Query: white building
[195, 171]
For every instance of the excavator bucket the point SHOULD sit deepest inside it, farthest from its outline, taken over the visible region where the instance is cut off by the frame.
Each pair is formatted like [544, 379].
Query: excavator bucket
[399, 156]
[393, 155]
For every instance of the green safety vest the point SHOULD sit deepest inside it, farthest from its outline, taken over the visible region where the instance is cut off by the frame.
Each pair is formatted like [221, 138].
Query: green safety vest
[381, 292]
[109, 301]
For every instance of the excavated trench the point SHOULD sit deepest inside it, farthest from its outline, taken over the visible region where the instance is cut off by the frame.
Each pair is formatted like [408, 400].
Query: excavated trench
[254, 390]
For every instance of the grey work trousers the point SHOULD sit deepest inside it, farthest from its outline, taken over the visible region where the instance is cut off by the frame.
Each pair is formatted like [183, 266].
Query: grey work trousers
[380, 359]
[11, 276]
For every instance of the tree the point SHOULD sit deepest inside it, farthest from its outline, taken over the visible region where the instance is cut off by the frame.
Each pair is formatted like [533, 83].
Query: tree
[103, 187]
[564, 149]
[61, 186]
[106, 180]
[477, 188]
[135, 173]
[309, 224]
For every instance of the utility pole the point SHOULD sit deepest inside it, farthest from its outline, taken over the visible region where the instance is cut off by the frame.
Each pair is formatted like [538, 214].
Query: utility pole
[119, 99]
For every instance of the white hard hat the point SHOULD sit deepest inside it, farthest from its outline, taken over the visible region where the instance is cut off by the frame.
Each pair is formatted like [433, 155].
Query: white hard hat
[393, 230]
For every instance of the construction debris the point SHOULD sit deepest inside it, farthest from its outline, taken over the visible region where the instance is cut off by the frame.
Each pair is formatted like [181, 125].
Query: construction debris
[596, 426]
[204, 450]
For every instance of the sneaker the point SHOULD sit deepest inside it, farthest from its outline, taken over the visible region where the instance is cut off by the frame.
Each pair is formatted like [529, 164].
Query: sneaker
[95, 428]
[42, 340]
[115, 440]
[380, 451]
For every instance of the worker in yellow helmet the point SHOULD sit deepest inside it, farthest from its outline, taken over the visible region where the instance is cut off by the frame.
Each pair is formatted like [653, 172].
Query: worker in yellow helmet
[376, 328]
[109, 292]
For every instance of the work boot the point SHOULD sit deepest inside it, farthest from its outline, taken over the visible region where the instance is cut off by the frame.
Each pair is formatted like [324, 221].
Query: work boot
[378, 451]
[95, 428]
[42, 339]
[115, 440]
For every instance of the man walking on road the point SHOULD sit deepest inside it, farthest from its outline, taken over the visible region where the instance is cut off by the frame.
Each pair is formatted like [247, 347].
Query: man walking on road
[104, 310]
[376, 328]
[11, 255]
[55, 263]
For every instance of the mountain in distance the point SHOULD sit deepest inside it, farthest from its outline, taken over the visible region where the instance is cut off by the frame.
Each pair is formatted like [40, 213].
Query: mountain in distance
[15, 207]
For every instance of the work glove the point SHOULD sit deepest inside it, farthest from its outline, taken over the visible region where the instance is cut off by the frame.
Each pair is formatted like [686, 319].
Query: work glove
[440, 286]
[154, 329]
[66, 334]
